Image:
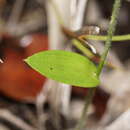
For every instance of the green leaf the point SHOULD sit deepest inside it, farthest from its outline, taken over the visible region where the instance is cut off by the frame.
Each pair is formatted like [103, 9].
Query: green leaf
[66, 67]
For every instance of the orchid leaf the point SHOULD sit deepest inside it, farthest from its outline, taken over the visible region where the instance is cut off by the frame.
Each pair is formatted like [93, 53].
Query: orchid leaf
[66, 67]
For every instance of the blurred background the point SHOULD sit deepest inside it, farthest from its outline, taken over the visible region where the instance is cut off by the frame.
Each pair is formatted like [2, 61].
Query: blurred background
[28, 101]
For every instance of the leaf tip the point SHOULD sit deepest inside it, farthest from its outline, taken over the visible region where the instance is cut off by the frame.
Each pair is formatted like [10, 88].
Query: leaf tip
[26, 60]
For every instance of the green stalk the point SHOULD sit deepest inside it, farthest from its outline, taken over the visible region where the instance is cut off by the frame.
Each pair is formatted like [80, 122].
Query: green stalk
[104, 38]
[82, 48]
[111, 32]
[82, 122]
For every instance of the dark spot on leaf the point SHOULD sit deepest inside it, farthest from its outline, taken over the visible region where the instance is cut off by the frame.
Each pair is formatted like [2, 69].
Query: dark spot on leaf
[51, 68]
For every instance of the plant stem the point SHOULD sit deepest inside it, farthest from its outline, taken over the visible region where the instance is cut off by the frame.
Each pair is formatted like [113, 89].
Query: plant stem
[104, 38]
[111, 31]
[82, 121]
[82, 48]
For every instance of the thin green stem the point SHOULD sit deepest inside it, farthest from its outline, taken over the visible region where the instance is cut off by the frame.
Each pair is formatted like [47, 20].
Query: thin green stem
[111, 31]
[82, 121]
[82, 48]
[104, 38]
